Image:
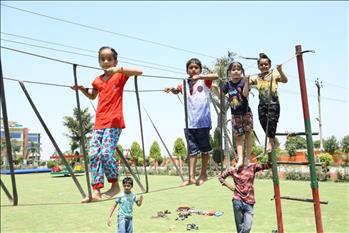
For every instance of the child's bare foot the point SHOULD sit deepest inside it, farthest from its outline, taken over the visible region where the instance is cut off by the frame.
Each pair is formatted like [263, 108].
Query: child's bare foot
[111, 192]
[201, 180]
[269, 148]
[95, 197]
[188, 182]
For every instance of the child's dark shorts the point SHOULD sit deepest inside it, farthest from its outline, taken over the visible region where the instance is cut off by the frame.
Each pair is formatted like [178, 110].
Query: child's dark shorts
[242, 123]
[270, 118]
[198, 140]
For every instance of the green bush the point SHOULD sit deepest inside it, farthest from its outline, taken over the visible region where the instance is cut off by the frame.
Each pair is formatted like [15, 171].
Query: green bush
[262, 158]
[297, 176]
[294, 143]
[51, 164]
[326, 158]
[257, 150]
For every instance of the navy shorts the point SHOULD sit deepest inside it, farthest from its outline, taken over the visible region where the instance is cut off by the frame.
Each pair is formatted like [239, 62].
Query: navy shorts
[198, 140]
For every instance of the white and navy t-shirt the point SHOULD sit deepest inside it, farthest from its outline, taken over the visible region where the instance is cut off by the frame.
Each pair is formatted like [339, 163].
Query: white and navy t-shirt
[198, 100]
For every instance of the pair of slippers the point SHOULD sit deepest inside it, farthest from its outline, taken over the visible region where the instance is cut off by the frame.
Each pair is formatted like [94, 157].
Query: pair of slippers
[192, 226]
[182, 216]
[162, 214]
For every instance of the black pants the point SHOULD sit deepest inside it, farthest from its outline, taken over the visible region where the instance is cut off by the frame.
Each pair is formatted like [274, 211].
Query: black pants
[272, 116]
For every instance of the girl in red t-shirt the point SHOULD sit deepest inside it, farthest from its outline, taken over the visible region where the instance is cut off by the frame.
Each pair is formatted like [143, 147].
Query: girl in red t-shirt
[109, 121]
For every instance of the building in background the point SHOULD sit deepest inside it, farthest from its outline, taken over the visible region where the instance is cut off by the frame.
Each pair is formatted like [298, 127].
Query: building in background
[25, 146]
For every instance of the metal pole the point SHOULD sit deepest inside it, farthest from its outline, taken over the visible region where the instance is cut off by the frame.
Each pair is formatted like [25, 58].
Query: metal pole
[186, 125]
[8, 141]
[221, 133]
[8, 194]
[130, 169]
[319, 85]
[53, 141]
[310, 149]
[82, 136]
[142, 138]
[163, 143]
[277, 192]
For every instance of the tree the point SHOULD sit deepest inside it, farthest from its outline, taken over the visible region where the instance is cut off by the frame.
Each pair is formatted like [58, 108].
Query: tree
[179, 149]
[220, 68]
[155, 153]
[117, 156]
[34, 149]
[316, 144]
[137, 152]
[16, 147]
[345, 144]
[331, 145]
[3, 155]
[72, 123]
[294, 143]
[217, 153]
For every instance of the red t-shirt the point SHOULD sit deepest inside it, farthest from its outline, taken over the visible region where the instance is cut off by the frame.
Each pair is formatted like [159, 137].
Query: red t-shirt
[244, 180]
[109, 112]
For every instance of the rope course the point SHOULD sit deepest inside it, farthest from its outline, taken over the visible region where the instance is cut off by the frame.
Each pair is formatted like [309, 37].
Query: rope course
[299, 53]
[175, 69]
[88, 50]
[85, 66]
[62, 85]
[303, 92]
[91, 56]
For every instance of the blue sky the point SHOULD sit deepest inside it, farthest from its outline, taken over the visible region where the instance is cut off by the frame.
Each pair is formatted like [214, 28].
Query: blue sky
[210, 29]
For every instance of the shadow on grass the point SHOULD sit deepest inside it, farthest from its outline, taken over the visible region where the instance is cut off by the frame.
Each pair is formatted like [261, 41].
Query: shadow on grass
[65, 176]
[44, 204]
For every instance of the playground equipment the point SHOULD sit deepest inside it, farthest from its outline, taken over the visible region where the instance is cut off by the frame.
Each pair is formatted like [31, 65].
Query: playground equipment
[310, 154]
[77, 168]
[277, 197]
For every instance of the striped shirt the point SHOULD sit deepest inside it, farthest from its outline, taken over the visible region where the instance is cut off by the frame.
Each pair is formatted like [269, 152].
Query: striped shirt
[244, 180]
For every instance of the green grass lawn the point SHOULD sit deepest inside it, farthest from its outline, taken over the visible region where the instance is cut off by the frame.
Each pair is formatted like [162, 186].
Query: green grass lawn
[48, 204]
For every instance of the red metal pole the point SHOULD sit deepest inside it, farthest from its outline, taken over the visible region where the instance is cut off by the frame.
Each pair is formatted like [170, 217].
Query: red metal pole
[310, 149]
[278, 208]
[277, 193]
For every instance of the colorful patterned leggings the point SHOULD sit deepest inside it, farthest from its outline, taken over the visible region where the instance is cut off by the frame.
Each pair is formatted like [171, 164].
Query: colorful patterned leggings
[102, 156]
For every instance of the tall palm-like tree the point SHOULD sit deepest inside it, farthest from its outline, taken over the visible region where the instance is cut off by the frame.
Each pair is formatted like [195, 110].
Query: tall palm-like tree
[4, 157]
[220, 106]
[72, 123]
[16, 147]
[34, 149]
